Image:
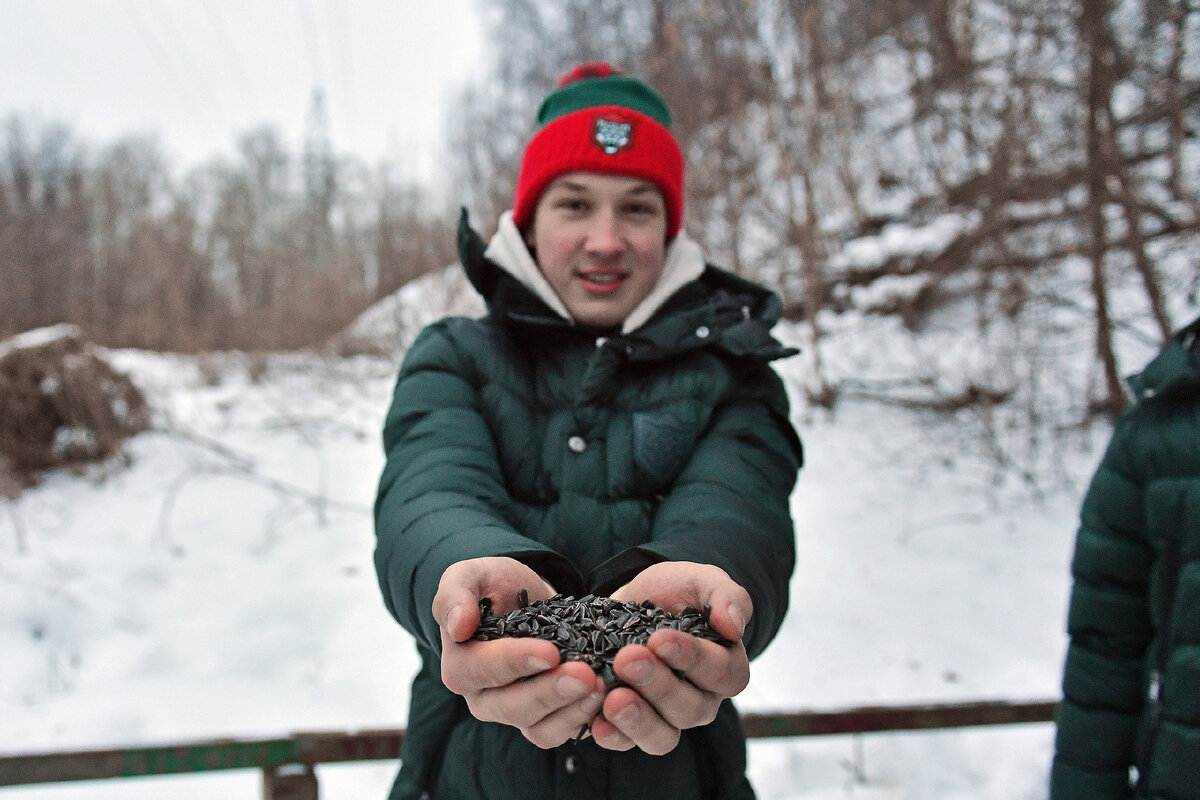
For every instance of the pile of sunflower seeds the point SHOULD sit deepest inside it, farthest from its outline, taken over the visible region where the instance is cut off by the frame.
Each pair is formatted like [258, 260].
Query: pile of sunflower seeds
[591, 629]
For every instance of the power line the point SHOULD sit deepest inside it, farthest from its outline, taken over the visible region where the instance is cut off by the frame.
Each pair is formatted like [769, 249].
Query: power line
[165, 58]
[314, 53]
[343, 53]
[233, 57]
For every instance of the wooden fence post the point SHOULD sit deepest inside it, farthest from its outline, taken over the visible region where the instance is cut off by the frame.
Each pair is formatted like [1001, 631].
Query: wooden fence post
[290, 782]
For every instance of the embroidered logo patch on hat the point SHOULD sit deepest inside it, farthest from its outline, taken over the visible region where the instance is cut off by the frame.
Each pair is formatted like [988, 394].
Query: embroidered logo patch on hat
[613, 133]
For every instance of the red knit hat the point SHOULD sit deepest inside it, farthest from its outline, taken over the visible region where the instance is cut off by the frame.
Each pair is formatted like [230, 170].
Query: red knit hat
[599, 120]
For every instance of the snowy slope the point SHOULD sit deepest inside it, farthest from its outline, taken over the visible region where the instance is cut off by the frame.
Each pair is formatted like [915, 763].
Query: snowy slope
[221, 585]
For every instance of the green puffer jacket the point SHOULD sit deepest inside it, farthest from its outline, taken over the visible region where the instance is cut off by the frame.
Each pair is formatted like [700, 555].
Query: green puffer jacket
[588, 459]
[1131, 684]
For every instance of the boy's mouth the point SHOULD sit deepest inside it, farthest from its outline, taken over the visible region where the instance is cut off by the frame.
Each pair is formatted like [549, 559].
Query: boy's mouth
[602, 282]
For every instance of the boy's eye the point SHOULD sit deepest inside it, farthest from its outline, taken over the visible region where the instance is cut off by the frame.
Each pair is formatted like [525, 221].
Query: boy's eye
[571, 204]
[643, 209]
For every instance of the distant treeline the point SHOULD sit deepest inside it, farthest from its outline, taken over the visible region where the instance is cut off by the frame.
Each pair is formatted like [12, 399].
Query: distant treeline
[270, 250]
[1046, 152]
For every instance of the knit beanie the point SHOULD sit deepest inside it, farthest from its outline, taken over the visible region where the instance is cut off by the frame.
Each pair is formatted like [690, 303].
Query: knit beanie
[598, 120]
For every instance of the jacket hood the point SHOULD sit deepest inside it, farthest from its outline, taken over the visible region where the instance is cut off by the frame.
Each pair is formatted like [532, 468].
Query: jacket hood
[694, 304]
[508, 251]
[1176, 368]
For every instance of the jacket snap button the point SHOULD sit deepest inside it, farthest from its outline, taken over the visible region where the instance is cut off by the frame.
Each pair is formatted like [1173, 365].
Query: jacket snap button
[570, 765]
[577, 444]
[702, 332]
[603, 340]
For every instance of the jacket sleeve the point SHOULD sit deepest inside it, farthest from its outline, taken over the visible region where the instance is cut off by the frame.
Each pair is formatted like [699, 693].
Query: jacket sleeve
[1109, 628]
[730, 505]
[441, 496]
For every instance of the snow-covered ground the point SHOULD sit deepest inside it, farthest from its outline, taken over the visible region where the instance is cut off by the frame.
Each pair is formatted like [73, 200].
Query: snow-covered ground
[221, 586]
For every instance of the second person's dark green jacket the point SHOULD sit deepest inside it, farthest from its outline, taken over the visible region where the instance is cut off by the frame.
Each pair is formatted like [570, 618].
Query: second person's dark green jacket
[1131, 683]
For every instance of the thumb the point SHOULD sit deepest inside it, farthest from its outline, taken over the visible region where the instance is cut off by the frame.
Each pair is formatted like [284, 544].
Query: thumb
[454, 620]
[732, 609]
[457, 614]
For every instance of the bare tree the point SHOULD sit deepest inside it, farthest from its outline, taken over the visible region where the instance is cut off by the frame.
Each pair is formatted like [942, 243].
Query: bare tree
[43, 224]
[1033, 153]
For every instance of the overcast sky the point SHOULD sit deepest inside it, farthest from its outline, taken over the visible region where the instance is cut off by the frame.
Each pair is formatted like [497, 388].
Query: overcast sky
[198, 73]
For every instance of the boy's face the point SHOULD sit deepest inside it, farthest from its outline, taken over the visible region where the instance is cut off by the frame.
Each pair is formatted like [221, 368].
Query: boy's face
[600, 241]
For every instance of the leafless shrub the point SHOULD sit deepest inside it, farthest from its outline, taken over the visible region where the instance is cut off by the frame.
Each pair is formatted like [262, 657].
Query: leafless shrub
[61, 404]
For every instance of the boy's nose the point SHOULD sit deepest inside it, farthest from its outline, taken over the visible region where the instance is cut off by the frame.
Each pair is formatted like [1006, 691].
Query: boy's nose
[604, 235]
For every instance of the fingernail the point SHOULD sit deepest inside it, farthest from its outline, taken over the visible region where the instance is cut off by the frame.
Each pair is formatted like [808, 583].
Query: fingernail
[627, 716]
[669, 652]
[638, 672]
[452, 619]
[569, 688]
[538, 664]
[735, 614]
[592, 703]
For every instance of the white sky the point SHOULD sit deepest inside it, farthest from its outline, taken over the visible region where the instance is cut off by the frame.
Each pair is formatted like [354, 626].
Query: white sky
[199, 73]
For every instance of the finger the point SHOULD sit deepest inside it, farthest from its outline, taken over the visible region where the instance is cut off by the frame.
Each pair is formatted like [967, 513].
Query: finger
[454, 617]
[609, 736]
[571, 720]
[677, 701]
[471, 667]
[456, 604]
[718, 669]
[730, 610]
[543, 704]
[639, 722]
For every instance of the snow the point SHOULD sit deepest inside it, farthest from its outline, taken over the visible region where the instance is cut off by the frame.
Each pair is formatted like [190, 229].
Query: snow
[898, 238]
[395, 320]
[38, 338]
[221, 585]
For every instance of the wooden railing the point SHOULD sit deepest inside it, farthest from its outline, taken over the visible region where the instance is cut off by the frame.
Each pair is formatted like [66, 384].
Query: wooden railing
[288, 763]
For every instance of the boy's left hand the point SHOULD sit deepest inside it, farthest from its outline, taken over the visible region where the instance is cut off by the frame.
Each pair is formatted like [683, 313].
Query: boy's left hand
[676, 681]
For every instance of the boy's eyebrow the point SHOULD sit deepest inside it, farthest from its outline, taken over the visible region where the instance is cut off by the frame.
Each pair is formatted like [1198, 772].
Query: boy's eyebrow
[573, 185]
[569, 185]
[642, 188]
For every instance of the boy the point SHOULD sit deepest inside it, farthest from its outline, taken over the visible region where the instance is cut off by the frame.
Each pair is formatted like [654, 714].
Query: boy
[613, 427]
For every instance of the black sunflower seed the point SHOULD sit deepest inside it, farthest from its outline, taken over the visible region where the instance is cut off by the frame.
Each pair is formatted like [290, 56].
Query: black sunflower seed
[591, 629]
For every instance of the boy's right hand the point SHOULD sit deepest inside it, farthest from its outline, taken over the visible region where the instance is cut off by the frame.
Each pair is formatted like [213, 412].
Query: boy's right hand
[515, 681]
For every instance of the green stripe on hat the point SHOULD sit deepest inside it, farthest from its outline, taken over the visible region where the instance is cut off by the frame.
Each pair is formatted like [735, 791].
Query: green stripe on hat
[612, 90]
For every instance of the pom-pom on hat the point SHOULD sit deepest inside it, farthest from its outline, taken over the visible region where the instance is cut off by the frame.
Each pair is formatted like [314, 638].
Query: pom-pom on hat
[599, 120]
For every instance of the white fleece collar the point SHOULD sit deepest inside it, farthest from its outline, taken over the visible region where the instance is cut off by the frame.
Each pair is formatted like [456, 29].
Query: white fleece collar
[684, 264]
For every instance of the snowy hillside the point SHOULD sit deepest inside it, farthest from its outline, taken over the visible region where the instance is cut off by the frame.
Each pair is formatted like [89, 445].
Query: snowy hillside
[221, 585]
